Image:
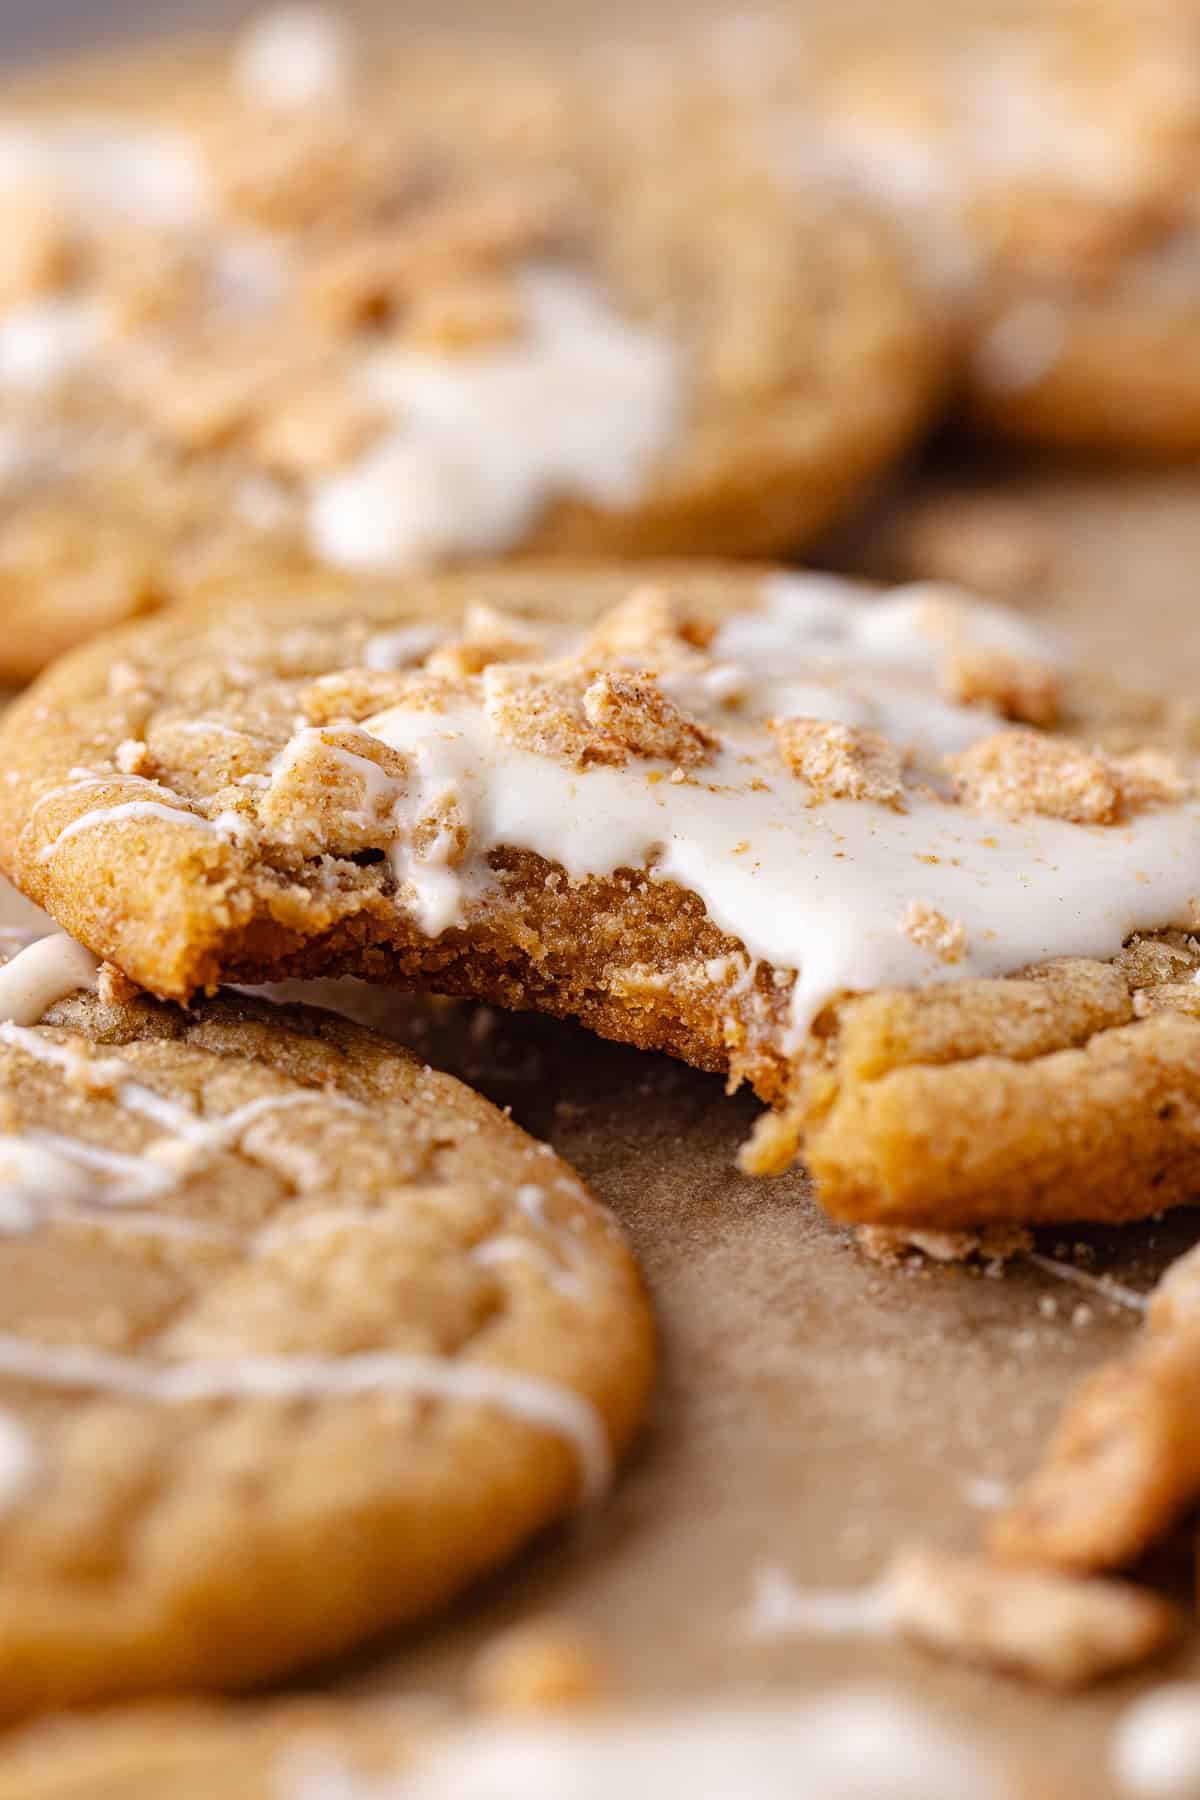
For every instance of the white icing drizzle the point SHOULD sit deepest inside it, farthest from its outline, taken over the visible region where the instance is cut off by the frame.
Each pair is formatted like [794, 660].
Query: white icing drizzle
[524, 1397]
[986, 1493]
[816, 886]
[1103, 1285]
[46, 1174]
[395, 649]
[779, 1609]
[105, 166]
[1156, 1744]
[44, 342]
[46, 970]
[584, 402]
[849, 1744]
[294, 56]
[227, 825]
[19, 1461]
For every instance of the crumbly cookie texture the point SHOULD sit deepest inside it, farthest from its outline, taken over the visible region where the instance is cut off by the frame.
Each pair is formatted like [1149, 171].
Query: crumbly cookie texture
[299, 1338]
[1040, 160]
[818, 839]
[445, 307]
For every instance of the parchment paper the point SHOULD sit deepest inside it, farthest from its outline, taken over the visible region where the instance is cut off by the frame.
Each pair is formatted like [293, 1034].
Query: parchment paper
[813, 1410]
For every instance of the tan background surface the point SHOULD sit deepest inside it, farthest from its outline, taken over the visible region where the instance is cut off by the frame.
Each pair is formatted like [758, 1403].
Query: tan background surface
[813, 1410]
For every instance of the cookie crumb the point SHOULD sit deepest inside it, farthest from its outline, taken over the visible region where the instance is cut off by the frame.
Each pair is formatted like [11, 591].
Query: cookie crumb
[933, 931]
[548, 1665]
[890, 1244]
[1057, 1629]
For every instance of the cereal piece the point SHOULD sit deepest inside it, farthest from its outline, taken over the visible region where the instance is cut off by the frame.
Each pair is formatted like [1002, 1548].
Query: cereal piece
[653, 627]
[302, 434]
[1030, 1622]
[373, 278]
[841, 762]
[1123, 1463]
[489, 637]
[544, 713]
[357, 693]
[547, 1665]
[463, 314]
[634, 710]
[333, 790]
[925, 925]
[1021, 772]
[1018, 687]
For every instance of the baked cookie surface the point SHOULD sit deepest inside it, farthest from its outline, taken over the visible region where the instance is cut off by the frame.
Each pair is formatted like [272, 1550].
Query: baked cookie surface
[426, 304]
[298, 1339]
[864, 853]
[1040, 160]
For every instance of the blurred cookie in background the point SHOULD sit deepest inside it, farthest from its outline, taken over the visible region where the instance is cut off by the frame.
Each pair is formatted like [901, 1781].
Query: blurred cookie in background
[305, 301]
[1040, 161]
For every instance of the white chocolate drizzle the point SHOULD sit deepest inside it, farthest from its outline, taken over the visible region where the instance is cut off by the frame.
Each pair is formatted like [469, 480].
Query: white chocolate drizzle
[850, 1744]
[227, 825]
[535, 1402]
[19, 1461]
[47, 970]
[585, 402]
[817, 886]
[780, 1609]
[1156, 1744]
[49, 1175]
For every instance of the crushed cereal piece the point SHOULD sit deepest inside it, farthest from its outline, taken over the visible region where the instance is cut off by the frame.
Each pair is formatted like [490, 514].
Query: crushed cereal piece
[1022, 772]
[1124, 1461]
[841, 762]
[1045, 1626]
[652, 627]
[634, 709]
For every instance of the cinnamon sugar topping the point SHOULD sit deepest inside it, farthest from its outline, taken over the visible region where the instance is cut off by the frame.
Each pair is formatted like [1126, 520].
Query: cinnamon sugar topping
[841, 762]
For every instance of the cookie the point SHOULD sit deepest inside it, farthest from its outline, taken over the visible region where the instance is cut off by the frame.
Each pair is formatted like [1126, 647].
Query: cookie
[430, 304]
[299, 1338]
[1040, 160]
[851, 1744]
[865, 853]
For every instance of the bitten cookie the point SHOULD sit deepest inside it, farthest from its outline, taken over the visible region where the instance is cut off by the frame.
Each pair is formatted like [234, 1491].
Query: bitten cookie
[889, 859]
[1040, 160]
[298, 1338]
[357, 307]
